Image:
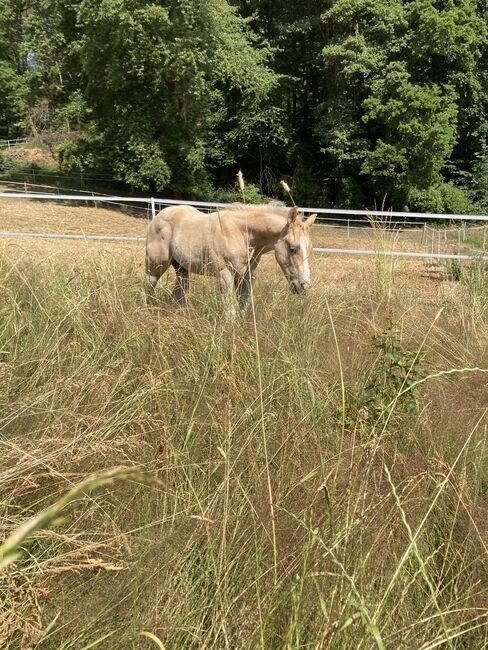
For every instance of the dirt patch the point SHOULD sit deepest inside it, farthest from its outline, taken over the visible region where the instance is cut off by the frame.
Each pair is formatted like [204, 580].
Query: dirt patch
[22, 155]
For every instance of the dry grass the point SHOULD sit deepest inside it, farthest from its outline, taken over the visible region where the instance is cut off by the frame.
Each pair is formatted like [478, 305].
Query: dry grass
[381, 522]
[37, 216]
[26, 155]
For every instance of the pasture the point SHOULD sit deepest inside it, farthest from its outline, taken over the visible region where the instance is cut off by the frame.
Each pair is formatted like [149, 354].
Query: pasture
[321, 468]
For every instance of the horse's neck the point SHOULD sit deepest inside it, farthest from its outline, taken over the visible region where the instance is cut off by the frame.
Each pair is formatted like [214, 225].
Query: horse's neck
[261, 228]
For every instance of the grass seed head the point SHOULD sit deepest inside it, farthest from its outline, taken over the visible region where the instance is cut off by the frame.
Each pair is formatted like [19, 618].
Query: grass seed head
[286, 187]
[240, 180]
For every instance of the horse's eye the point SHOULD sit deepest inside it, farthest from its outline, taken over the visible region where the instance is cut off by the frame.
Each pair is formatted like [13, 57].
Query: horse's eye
[293, 250]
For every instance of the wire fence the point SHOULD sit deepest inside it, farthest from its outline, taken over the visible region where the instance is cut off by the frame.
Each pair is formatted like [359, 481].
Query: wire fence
[138, 210]
[407, 217]
[382, 220]
[50, 172]
[343, 251]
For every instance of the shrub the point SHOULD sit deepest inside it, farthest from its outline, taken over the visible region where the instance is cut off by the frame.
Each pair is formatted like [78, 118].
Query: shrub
[443, 198]
[252, 194]
[428, 200]
[454, 199]
[6, 164]
[397, 370]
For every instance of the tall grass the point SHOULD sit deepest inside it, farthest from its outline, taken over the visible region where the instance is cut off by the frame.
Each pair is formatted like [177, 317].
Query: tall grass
[377, 536]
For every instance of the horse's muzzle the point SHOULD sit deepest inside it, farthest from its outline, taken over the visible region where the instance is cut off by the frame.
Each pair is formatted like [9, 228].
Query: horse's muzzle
[299, 287]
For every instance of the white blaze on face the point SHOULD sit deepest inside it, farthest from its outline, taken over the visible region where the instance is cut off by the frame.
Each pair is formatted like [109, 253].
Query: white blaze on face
[306, 268]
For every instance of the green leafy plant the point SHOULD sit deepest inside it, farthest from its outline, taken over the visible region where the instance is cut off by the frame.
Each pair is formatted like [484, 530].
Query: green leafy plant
[455, 270]
[397, 369]
[6, 164]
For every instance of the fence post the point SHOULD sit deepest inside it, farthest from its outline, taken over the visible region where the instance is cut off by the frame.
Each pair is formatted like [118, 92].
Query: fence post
[153, 207]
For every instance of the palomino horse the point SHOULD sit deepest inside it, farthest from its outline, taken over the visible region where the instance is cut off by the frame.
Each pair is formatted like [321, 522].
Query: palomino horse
[227, 244]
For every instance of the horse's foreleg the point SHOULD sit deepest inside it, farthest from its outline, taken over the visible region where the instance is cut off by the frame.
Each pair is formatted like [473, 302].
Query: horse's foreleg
[226, 287]
[243, 287]
[244, 280]
[157, 262]
[181, 286]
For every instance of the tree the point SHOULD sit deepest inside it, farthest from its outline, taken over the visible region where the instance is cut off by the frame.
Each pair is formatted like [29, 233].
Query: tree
[12, 65]
[182, 87]
[390, 120]
[351, 100]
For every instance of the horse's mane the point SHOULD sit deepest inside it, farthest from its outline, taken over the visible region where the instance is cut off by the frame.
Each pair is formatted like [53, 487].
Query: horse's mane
[273, 206]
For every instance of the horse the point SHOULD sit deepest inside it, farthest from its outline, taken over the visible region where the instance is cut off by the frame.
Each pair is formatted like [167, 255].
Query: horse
[227, 244]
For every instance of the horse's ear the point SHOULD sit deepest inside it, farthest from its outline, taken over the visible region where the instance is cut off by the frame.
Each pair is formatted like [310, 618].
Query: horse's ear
[311, 219]
[292, 215]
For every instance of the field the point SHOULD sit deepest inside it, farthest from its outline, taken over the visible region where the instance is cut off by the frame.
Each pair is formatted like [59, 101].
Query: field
[316, 473]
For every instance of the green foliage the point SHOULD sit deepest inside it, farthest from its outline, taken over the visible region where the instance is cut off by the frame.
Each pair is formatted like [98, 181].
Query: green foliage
[416, 128]
[393, 379]
[252, 194]
[182, 87]
[12, 101]
[6, 164]
[396, 101]
[359, 102]
[69, 157]
[443, 198]
[478, 183]
[455, 200]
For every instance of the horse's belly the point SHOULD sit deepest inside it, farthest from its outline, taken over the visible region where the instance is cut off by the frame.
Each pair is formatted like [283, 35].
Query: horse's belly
[195, 259]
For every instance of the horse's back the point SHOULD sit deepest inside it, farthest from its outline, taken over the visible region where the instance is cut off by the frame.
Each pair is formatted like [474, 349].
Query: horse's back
[174, 215]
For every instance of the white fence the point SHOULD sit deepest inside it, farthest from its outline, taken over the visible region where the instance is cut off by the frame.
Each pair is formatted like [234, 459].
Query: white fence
[342, 216]
[12, 143]
[153, 201]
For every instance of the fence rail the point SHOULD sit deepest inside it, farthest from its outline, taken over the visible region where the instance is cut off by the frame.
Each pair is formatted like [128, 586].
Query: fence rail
[152, 204]
[12, 143]
[343, 251]
[155, 201]
[434, 256]
[59, 235]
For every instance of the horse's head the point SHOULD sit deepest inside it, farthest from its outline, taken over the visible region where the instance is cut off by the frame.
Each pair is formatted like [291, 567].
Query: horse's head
[293, 249]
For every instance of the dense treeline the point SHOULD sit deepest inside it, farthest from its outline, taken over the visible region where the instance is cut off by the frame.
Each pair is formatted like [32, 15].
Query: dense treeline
[356, 102]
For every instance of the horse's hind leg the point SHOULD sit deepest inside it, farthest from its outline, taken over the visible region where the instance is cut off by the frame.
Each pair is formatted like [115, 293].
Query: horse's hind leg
[181, 285]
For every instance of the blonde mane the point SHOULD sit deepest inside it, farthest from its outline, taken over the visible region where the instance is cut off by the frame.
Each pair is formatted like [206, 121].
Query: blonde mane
[277, 206]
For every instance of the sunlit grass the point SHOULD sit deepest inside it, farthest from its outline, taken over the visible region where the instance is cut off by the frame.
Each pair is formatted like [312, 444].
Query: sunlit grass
[377, 536]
